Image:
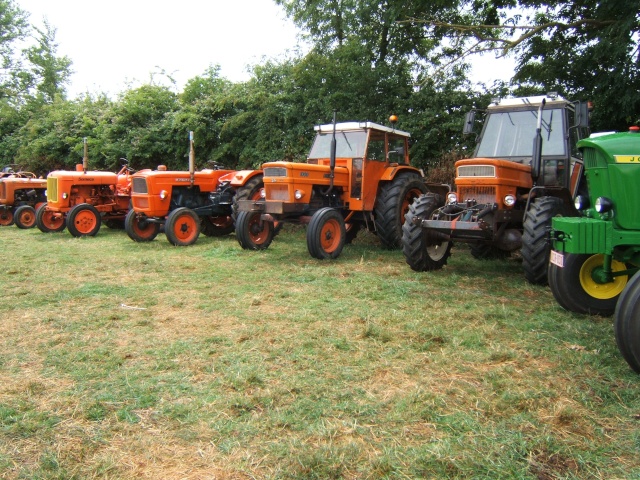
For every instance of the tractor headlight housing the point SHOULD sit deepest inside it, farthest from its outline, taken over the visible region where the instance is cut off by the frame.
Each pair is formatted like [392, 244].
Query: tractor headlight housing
[263, 194]
[163, 194]
[509, 200]
[603, 205]
[298, 194]
[581, 202]
[65, 195]
[452, 197]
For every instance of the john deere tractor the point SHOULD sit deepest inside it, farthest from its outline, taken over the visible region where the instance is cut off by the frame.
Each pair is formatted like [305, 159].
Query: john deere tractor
[357, 175]
[596, 253]
[187, 203]
[20, 194]
[524, 172]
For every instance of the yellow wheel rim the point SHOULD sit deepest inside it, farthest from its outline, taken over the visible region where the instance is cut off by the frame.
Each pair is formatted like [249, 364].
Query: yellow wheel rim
[602, 291]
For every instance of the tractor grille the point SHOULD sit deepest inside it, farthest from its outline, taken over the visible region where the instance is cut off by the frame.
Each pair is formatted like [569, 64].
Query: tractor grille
[52, 189]
[278, 192]
[140, 185]
[275, 172]
[479, 194]
[590, 158]
[477, 171]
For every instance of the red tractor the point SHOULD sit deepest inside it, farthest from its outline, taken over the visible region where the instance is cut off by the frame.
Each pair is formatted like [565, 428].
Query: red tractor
[81, 200]
[357, 175]
[187, 203]
[20, 194]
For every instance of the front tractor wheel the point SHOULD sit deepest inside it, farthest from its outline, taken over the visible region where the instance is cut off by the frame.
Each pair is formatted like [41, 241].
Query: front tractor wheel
[252, 232]
[627, 323]
[25, 217]
[392, 206]
[138, 228]
[326, 234]
[48, 221]
[182, 227]
[6, 217]
[535, 243]
[422, 250]
[576, 289]
[84, 220]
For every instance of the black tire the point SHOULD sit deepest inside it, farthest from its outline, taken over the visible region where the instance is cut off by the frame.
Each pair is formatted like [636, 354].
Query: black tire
[535, 243]
[84, 220]
[25, 217]
[249, 191]
[421, 250]
[576, 291]
[392, 205]
[138, 228]
[114, 224]
[6, 217]
[182, 227]
[627, 323]
[253, 233]
[219, 226]
[484, 251]
[352, 232]
[326, 234]
[47, 222]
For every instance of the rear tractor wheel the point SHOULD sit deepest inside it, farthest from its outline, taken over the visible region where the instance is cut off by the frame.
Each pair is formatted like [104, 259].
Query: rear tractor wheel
[326, 234]
[182, 227]
[25, 217]
[252, 232]
[84, 220]
[48, 221]
[627, 323]
[217, 226]
[576, 288]
[422, 250]
[139, 228]
[535, 244]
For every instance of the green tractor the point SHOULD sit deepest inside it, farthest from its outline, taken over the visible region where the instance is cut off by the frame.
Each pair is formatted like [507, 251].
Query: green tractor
[594, 255]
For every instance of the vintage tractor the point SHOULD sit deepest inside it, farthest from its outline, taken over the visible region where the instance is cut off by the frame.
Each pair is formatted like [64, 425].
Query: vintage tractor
[187, 202]
[81, 200]
[357, 175]
[596, 253]
[524, 172]
[20, 194]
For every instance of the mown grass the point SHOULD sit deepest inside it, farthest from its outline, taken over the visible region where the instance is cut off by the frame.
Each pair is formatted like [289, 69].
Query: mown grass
[125, 360]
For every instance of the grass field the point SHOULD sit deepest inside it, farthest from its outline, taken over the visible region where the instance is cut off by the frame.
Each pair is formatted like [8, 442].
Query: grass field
[121, 360]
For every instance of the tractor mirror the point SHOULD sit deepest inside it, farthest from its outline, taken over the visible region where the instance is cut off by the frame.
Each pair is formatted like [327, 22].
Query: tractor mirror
[469, 119]
[582, 114]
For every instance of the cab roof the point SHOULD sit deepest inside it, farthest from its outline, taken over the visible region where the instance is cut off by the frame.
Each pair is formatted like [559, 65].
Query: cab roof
[349, 126]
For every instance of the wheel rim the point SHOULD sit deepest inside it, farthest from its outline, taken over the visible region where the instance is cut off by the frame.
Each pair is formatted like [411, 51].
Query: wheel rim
[142, 228]
[28, 218]
[602, 291]
[437, 252]
[330, 236]
[85, 221]
[186, 228]
[51, 221]
[408, 200]
[258, 231]
[221, 221]
[6, 218]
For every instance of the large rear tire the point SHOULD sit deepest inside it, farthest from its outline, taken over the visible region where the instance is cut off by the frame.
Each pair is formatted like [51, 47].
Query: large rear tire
[182, 227]
[217, 226]
[84, 220]
[48, 221]
[392, 205]
[6, 217]
[575, 289]
[25, 217]
[627, 323]
[422, 251]
[326, 234]
[535, 244]
[249, 191]
[138, 228]
[252, 232]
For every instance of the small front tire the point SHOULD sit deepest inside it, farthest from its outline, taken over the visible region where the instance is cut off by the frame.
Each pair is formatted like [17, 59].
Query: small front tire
[84, 220]
[25, 217]
[138, 228]
[182, 227]
[252, 232]
[326, 234]
[49, 221]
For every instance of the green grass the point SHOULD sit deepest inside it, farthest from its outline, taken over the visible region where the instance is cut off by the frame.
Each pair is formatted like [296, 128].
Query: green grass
[126, 360]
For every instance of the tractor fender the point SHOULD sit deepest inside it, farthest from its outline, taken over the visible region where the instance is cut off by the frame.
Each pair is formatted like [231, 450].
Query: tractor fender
[391, 172]
[240, 177]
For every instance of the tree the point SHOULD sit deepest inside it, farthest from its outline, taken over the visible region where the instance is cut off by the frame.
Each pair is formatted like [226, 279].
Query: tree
[13, 27]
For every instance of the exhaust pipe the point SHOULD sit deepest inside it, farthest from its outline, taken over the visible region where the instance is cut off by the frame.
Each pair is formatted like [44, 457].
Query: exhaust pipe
[332, 157]
[85, 159]
[192, 159]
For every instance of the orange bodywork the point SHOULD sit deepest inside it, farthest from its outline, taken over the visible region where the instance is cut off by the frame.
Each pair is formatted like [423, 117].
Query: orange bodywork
[13, 189]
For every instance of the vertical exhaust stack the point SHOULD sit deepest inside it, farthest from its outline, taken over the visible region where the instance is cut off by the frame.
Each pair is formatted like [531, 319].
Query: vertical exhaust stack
[332, 157]
[85, 159]
[536, 159]
[192, 159]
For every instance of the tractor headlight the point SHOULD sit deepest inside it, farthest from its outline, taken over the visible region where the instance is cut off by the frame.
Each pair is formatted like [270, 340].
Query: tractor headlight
[298, 194]
[452, 197]
[263, 194]
[509, 200]
[603, 205]
[581, 202]
[65, 196]
[163, 194]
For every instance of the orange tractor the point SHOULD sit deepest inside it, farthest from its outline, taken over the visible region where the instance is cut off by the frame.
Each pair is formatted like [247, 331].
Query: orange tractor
[187, 203]
[357, 175]
[81, 200]
[20, 194]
